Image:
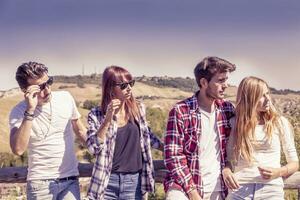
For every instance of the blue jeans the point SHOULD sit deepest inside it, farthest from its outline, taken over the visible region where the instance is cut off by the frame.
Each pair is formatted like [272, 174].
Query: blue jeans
[255, 191]
[53, 190]
[123, 186]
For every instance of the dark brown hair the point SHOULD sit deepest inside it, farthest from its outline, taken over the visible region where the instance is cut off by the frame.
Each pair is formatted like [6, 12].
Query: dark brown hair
[29, 70]
[210, 66]
[111, 76]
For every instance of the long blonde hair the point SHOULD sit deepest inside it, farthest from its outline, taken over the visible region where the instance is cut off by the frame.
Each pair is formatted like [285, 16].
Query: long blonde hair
[250, 91]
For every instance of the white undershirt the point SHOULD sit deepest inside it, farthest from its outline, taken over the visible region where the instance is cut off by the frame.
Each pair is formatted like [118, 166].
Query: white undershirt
[210, 155]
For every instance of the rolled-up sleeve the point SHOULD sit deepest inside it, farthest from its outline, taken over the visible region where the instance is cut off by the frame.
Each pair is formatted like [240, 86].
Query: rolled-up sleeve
[93, 142]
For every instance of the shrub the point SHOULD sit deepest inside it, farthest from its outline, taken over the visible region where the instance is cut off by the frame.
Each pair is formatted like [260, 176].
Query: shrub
[157, 119]
[11, 160]
[89, 104]
[80, 83]
[66, 86]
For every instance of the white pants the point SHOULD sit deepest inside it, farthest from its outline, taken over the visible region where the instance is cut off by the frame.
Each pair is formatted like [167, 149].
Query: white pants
[178, 195]
[257, 191]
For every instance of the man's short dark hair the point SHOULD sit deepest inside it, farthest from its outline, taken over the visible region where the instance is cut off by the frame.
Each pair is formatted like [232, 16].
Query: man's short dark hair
[210, 66]
[29, 70]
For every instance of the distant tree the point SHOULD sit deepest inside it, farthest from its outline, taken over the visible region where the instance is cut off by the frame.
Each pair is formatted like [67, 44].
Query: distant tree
[80, 83]
[66, 86]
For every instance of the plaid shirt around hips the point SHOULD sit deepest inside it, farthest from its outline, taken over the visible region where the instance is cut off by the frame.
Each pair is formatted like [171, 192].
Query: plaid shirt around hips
[182, 138]
[104, 153]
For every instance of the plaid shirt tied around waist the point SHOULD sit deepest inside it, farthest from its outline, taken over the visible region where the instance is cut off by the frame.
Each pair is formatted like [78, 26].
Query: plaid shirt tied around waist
[104, 153]
[181, 142]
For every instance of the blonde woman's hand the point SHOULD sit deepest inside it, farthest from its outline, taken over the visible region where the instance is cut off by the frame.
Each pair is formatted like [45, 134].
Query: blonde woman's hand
[194, 195]
[269, 172]
[229, 179]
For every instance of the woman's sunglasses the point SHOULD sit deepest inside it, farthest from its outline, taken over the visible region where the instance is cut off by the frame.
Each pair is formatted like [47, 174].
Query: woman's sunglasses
[124, 85]
[48, 82]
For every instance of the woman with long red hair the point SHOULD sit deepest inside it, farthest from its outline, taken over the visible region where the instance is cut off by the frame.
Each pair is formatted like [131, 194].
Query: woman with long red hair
[120, 138]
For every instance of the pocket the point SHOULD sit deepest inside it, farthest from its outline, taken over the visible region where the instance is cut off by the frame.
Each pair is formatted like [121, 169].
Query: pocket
[36, 185]
[131, 179]
[132, 185]
[135, 178]
[191, 143]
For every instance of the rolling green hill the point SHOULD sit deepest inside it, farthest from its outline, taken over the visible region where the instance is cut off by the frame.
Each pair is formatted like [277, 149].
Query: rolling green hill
[155, 96]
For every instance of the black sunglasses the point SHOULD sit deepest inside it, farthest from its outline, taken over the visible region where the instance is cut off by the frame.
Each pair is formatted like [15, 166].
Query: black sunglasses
[48, 82]
[124, 85]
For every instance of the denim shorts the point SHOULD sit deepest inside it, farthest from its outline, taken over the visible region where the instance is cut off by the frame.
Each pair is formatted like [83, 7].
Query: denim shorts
[124, 186]
[256, 191]
[53, 189]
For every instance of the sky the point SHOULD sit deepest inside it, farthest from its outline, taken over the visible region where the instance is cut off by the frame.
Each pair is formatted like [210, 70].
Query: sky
[152, 37]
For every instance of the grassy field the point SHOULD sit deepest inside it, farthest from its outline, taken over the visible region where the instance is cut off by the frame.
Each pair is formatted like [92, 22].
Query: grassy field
[6, 105]
[166, 98]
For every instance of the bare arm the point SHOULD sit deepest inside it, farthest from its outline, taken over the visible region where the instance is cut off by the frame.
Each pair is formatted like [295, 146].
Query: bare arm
[112, 109]
[284, 171]
[80, 130]
[19, 136]
[101, 133]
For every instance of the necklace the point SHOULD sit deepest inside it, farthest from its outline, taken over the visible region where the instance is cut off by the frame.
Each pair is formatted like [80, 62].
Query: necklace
[43, 121]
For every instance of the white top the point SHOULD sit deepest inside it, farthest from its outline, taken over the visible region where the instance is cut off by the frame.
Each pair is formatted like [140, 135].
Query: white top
[210, 154]
[51, 152]
[266, 154]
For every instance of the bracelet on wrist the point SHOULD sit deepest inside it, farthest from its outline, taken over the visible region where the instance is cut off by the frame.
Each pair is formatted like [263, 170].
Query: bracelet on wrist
[285, 171]
[28, 116]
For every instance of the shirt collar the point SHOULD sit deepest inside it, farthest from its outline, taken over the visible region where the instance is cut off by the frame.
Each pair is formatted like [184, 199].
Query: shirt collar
[194, 105]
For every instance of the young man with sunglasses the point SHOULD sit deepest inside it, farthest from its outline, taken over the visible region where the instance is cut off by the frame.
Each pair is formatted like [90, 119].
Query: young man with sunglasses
[197, 131]
[44, 124]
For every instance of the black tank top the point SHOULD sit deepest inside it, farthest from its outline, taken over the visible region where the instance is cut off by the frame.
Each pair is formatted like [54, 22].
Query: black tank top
[127, 154]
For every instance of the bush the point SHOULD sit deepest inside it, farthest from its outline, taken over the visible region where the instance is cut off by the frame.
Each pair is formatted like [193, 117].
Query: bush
[66, 86]
[157, 119]
[80, 83]
[89, 104]
[11, 160]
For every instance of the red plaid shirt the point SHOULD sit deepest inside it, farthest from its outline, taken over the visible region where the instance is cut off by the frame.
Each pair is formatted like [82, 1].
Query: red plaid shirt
[182, 142]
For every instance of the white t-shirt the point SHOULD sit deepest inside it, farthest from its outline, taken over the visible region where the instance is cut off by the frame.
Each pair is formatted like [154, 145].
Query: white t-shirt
[210, 155]
[51, 152]
[266, 154]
